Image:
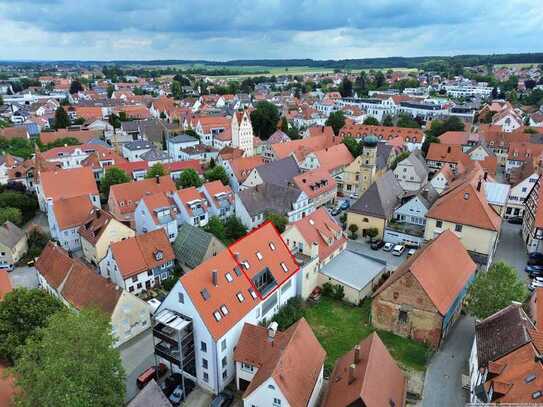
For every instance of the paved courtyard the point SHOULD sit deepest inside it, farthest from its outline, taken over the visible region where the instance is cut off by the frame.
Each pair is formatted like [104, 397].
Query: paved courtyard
[364, 248]
[511, 249]
[26, 277]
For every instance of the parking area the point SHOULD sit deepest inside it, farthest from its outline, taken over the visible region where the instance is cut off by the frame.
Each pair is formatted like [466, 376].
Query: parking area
[24, 277]
[511, 249]
[362, 247]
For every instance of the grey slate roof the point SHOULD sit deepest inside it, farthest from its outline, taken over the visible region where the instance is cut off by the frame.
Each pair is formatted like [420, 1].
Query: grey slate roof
[150, 396]
[154, 155]
[279, 172]
[182, 138]
[418, 163]
[381, 198]
[10, 234]
[428, 195]
[269, 197]
[191, 244]
[353, 269]
[383, 153]
[138, 145]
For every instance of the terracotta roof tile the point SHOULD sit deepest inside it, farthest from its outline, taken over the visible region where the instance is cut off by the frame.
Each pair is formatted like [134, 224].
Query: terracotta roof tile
[75, 182]
[72, 212]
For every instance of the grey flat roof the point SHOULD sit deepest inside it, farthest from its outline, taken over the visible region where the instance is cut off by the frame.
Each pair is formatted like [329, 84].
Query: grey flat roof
[353, 269]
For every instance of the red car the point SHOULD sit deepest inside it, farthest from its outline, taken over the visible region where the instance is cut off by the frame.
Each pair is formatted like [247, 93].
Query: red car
[150, 373]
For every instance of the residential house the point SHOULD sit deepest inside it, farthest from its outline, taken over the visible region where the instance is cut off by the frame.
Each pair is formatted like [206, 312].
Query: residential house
[124, 198]
[532, 224]
[180, 142]
[253, 204]
[13, 244]
[220, 199]
[465, 139]
[464, 209]
[157, 211]
[285, 368]
[333, 159]
[508, 119]
[279, 172]
[200, 152]
[375, 208]
[367, 375]
[238, 169]
[216, 299]
[440, 154]
[139, 263]
[412, 139]
[522, 181]
[98, 232]
[317, 237]
[79, 287]
[411, 172]
[423, 297]
[193, 246]
[192, 206]
[318, 185]
[134, 150]
[522, 152]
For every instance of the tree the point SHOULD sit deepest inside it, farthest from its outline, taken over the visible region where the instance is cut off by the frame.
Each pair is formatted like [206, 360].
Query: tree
[37, 240]
[284, 125]
[71, 362]
[372, 233]
[438, 127]
[192, 133]
[346, 87]
[61, 118]
[494, 93]
[110, 90]
[176, 90]
[112, 176]
[353, 228]
[157, 170]
[234, 229]
[115, 121]
[264, 119]
[371, 121]
[76, 86]
[387, 121]
[215, 226]
[217, 173]
[353, 146]
[405, 120]
[189, 178]
[26, 203]
[336, 120]
[279, 221]
[495, 289]
[13, 215]
[22, 313]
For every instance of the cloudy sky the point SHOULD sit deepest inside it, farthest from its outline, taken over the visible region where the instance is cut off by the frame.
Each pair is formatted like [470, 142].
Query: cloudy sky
[250, 29]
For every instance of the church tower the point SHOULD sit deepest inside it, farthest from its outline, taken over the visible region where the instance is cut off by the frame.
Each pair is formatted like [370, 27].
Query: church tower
[242, 132]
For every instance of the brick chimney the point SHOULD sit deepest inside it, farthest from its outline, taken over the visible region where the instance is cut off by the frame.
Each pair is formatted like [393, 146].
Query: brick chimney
[157, 179]
[357, 354]
[214, 278]
[352, 378]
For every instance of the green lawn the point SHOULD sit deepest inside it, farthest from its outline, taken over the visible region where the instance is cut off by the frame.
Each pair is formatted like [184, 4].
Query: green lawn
[340, 326]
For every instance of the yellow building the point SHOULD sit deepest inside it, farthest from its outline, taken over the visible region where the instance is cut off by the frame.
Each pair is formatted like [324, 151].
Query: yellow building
[98, 232]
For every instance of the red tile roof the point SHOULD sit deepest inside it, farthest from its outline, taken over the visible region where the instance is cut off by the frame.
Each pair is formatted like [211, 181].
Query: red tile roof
[334, 157]
[243, 166]
[314, 183]
[72, 212]
[126, 196]
[442, 267]
[382, 132]
[75, 182]
[83, 136]
[138, 254]
[5, 283]
[377, 380]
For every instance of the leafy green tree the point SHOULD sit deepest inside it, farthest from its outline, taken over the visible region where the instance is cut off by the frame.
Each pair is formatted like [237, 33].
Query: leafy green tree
[115, 120]
[110, 90]
[176, 90]
[37, 240]
[371, 121]
[387, 121]
[336, 120]
[346, 87]
[405, 120]
[400, 157]
[284, 125]
[157, 170]
[25, 202]
[70, 141]
[22, 313]
[353, 228]
[234, 229]
[61, 118]
[71, 362]
[279, 221]
[215, 226]
[495, 289]
[14, 215]
[264, 119]
[189, 178]
[438, 127]
[217, 173]
[76, 86]
[112, 176]
[353, 146]
[372, 233]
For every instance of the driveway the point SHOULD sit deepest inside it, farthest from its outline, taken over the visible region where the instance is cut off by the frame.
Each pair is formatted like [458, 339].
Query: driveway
[26, 277]
[511, 248]
[361, 247]
[443, 383]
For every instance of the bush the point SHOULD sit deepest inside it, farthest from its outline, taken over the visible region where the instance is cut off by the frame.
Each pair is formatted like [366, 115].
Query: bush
[334, 291]
[353, 229]
[289, 313]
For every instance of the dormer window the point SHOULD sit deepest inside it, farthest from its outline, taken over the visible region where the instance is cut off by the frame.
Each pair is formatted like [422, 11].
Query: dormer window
[259, 256]
[217, 316]
[252, 292]
[272, 246]
[240, 296]
[245, 264]
[229, 277]
[224, 310]
[159, 255]
[284, 267]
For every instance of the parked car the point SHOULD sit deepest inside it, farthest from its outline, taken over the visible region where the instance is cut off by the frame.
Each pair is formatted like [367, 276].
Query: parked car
[535, 284]
[224, 399]
[177, 396]
[7, 267]
[336, 211]
[398, 250]
[149, 374]
[530, 268]
[411, 252]
[536, 273]
[377, 244]
[345, 204]
[354, 196]
[535, 256]
[388, 247]
[517, 220]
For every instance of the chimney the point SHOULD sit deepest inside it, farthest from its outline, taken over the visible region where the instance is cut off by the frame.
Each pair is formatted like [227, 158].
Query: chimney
[214, 278]
[157, 179]
[485, 176]
[479, 185]
[357, 354]
[236, 256]
[272, 331]
[351, 374]
[449, 149]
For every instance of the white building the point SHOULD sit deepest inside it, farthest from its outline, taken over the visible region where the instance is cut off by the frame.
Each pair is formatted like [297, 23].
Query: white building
[242, 132]
[157, 211]
[178, 143]
[192, 206]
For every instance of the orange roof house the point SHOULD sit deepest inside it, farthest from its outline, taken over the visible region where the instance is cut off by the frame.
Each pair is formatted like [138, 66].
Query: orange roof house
[366, 376]
[438, 275]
